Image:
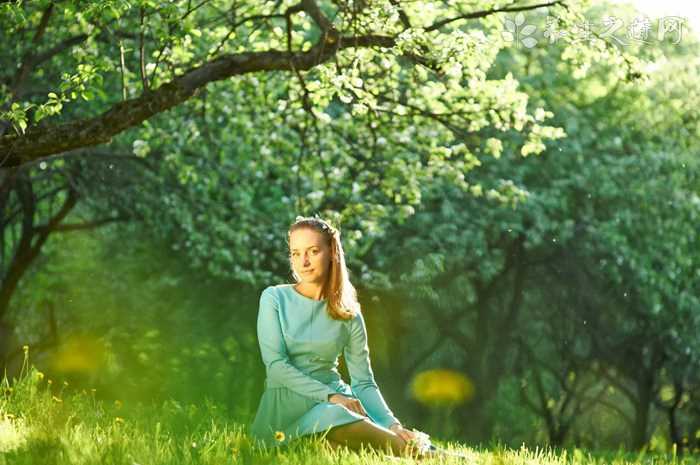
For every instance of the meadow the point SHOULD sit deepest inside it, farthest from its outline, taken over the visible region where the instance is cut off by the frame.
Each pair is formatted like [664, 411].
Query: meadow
[42, 423]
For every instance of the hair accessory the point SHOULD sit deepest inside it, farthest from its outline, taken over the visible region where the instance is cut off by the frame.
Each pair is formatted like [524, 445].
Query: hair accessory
[316, 218]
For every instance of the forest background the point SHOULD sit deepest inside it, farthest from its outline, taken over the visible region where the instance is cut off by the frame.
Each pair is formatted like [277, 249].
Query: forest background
[516, 187]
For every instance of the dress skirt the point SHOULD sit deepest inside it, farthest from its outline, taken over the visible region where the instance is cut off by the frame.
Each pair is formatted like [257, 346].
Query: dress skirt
[283, 410]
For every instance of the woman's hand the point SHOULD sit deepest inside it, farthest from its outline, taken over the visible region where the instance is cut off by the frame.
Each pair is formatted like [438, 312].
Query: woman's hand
[404, 434]
[348, 402]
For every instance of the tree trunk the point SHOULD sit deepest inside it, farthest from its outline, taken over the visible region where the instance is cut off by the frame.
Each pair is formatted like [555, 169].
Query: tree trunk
[674, 430]
[642, 408]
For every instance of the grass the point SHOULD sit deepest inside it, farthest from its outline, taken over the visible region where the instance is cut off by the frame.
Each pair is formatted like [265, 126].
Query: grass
[41, 423]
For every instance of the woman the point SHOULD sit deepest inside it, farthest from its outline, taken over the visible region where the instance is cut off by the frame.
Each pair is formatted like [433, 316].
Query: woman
[302, 328]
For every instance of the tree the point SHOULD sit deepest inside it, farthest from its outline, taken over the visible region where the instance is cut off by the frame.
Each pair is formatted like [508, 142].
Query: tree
[415, 82]
[590, 254]
[233, 40]
[38, 203]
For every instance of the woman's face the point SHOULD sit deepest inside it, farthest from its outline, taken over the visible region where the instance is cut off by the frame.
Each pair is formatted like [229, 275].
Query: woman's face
[310, 255]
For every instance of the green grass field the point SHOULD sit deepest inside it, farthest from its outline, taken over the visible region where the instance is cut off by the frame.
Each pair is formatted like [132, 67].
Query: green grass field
[44, 424]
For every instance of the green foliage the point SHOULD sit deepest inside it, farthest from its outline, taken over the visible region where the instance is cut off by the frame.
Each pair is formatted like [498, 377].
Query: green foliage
[17, 116]
[142, 330]
[608, 249]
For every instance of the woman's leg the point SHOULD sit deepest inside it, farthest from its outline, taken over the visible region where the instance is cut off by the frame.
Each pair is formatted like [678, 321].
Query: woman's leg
[364, 432]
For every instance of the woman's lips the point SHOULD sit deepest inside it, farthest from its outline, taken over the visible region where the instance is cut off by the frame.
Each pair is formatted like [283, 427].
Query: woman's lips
[307, 271]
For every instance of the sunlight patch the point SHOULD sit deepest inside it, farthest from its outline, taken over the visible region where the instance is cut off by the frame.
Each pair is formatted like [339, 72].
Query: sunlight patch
[13, 433]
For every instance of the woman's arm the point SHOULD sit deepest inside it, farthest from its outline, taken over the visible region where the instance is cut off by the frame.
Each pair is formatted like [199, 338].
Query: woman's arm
[275, 356]
[361, 375]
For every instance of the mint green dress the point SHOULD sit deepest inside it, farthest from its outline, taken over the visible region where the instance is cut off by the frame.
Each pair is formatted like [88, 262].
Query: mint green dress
[300, 345]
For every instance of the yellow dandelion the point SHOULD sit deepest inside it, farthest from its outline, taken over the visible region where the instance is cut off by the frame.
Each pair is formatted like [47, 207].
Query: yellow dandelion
[279, 436]
[25, 348]
[194, 445]
[50, 382]
[118, 420]
[442, 387]
[81, 354]
[39, 375]
[56, 399]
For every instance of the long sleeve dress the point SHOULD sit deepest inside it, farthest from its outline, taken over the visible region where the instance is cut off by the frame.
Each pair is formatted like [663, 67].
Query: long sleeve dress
[300, 344]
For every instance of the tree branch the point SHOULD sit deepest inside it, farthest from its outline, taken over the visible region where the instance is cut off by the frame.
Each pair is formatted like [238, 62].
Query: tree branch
[402, 14]
[38, 142]
[319, 18]
[483, 14]
[27, 251]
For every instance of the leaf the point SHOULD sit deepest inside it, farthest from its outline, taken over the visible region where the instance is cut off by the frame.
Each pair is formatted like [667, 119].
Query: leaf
[40, 114]
[529, 42]
[508, 36]
[528, 30]
[509, 25]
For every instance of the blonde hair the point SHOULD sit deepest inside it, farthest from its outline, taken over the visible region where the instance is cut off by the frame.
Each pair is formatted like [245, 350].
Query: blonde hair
[340, 294]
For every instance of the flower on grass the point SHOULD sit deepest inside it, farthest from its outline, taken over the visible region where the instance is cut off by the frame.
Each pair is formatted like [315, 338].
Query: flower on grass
[279, 436]
[118, 420]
